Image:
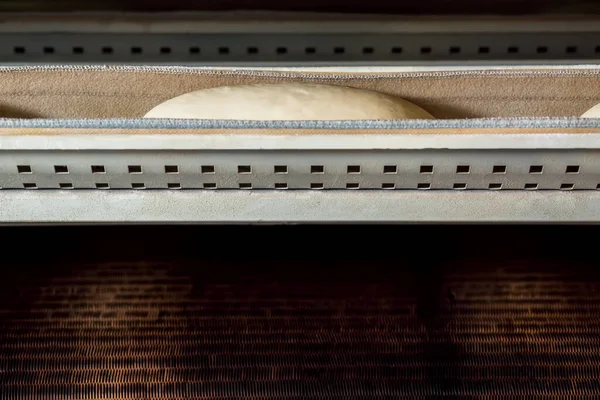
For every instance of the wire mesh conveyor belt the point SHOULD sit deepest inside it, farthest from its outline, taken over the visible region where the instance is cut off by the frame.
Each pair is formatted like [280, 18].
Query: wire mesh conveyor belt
[269, 328]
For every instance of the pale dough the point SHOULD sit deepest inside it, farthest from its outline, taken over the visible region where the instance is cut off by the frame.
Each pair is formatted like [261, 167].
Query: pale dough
[294, 101]
[593, 112]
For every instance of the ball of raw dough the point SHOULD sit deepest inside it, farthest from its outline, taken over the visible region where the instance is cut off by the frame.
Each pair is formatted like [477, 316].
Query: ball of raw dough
[295, 101]
[593, 112]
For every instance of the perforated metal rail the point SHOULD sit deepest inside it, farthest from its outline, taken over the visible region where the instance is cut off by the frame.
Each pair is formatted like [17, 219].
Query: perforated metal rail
[221, 170]
[294, 48]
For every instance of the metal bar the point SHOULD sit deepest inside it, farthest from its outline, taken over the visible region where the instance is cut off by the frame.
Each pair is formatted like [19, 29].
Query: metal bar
[305, 46]
[268, 207]
[366, 142]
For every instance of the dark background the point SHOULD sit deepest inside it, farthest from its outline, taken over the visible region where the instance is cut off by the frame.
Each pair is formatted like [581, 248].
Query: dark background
[305, 242]
[343, 6]
[335, 312]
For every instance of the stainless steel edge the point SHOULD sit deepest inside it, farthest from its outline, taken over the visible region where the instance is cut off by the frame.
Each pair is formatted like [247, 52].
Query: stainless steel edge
[274, 207]
[366, 141]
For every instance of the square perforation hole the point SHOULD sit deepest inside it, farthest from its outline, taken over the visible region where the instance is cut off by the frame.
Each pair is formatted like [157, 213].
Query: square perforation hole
[426, 169]
[483, 50]
[173, 185]
[134, 169]
[390, 169]
[165, 50]
[571, 49]
[138, 185]
[30, 186]
[207, 169]
[61, 169]
[454, 50]
[388, 185]
[424, 186]
[107, 50]
[316, 186]
[78, 50]
[536, 169]
[459, 186]
[463, 169]
[48, 50]
[495, 186]
[512, 49]
[531, 186]
[209, 185]
[426, 50]
[542, 49]
[223, 50]
[397, 50]
[19, 50]
[339, 50]
[244, 169]
[98, 169]
[281, 185]
[136, 50]
[352, 185]
[280, 169]
[317, 169]
[102, 186]
[499, 169]
[572, 169]
[65, 185]
[171, 169]
[194, 50]
[281, 50]
[567, 186]
[310, 50]
[353, 169]
[245, 185]
[252, 50]
[24, 169]
[368, 50]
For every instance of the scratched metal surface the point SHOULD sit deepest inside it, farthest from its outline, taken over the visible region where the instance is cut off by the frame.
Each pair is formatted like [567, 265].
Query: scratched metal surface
[299, 312]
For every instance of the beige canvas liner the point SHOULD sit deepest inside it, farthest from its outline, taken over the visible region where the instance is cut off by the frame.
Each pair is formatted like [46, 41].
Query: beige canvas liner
[129, 92]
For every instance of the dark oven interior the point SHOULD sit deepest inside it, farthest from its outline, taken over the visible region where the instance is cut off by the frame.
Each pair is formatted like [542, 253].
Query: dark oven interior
[299, 312]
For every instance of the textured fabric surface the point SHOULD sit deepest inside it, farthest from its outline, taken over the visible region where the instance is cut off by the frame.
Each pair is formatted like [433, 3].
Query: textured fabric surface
[148, 126]
[130, 93]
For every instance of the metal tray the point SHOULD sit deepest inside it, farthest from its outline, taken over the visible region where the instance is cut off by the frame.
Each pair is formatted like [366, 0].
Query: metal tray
[59, 176]
[239, 178]
[288, 39]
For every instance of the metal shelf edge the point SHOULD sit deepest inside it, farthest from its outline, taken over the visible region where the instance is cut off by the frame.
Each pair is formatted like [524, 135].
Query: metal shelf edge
[274, 207]
[365, 141]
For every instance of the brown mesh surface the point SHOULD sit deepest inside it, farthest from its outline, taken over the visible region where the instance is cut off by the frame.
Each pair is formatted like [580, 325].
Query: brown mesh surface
[413, 323]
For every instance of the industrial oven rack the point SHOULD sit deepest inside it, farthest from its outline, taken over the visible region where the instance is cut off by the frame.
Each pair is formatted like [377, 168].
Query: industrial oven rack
[323, 177]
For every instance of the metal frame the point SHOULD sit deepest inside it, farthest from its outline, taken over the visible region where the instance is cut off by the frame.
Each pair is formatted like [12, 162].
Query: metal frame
[300, 49]
[277, 39]
[478, 202]
[195, 40]
[268, 207]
